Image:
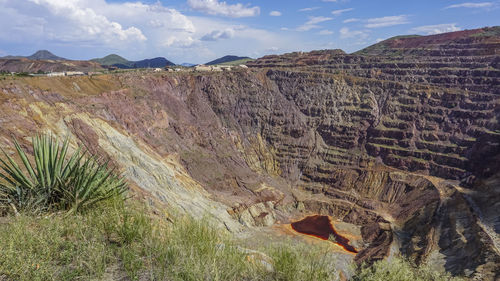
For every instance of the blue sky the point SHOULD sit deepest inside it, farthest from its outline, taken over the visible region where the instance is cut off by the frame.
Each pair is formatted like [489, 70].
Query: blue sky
[197, 31]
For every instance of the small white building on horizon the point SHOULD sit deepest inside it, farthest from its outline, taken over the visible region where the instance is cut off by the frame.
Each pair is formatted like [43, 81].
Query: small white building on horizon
[56, 74]
[74, 73]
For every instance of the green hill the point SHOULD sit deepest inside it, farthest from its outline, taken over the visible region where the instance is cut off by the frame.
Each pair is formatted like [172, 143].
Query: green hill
[229, 60]
[238, 62]
[112, 60]
[120, 62]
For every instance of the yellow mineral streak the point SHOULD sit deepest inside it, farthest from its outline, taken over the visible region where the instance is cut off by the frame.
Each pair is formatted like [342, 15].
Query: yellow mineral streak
[162, 177]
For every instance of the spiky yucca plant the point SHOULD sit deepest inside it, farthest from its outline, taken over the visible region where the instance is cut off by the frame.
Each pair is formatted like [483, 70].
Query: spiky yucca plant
[89, 183]
[53, 181]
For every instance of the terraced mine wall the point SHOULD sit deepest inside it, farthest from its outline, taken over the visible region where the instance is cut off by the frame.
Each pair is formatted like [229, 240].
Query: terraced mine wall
[412, 161]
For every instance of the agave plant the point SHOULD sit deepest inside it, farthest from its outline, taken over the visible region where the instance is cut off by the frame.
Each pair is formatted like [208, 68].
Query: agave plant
[89, 183]
[53, 180]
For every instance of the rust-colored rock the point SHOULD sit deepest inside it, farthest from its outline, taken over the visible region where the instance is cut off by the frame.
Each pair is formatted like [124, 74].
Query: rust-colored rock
[321, 227]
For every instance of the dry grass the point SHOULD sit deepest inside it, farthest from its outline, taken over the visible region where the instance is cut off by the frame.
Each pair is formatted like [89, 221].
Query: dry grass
[399, 269]
[118, 240]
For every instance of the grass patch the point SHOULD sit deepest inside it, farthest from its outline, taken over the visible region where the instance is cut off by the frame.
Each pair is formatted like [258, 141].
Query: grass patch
[119, 240]
[56, 247]
[301, 263]
[399, 269]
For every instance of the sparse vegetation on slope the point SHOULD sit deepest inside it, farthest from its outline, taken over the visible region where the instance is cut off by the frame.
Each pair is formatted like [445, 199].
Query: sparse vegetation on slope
[237, 62]
[288, 262]
[118, 240]
[399, 269]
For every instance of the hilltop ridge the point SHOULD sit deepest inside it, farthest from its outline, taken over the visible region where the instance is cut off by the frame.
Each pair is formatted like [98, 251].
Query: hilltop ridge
[481, 41]
[229, 59]
[111, 60]
[38, 55]
[120, 62]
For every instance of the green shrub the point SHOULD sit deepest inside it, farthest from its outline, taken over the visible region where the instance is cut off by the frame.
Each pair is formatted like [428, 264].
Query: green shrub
[399, 269]
[53, 181]
[22, 74]
[195, 250]
[302, 263]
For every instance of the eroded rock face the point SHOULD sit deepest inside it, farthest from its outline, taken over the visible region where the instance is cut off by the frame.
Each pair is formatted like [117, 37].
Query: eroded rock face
[408, 156]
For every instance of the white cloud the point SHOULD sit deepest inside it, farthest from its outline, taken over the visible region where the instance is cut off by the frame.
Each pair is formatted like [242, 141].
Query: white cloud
[436, 29]
[329, 0]
[471, 5]
[83, 29]
[325, 32]
[218, 35]
[275, 13]
[315, 20]
[170, 33]
[18, 26]
[89, 28]
[351, 20]
[339, 12]
[309, 9]
[312, 23]
[88, 23]
[214, 7]
[156, 23]
[247, 41]
[166, 18]
[386, 21]
[183, 42]
[346, 33]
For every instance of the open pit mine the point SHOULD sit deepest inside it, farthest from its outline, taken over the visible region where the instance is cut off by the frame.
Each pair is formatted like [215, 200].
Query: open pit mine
[393, 150]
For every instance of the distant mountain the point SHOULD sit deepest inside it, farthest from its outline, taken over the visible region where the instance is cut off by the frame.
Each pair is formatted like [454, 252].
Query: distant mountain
[39, 55]
[120, 62]
[186, 64]
[111, 60]
[44, 55]
[228, 59]
[156, 62]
